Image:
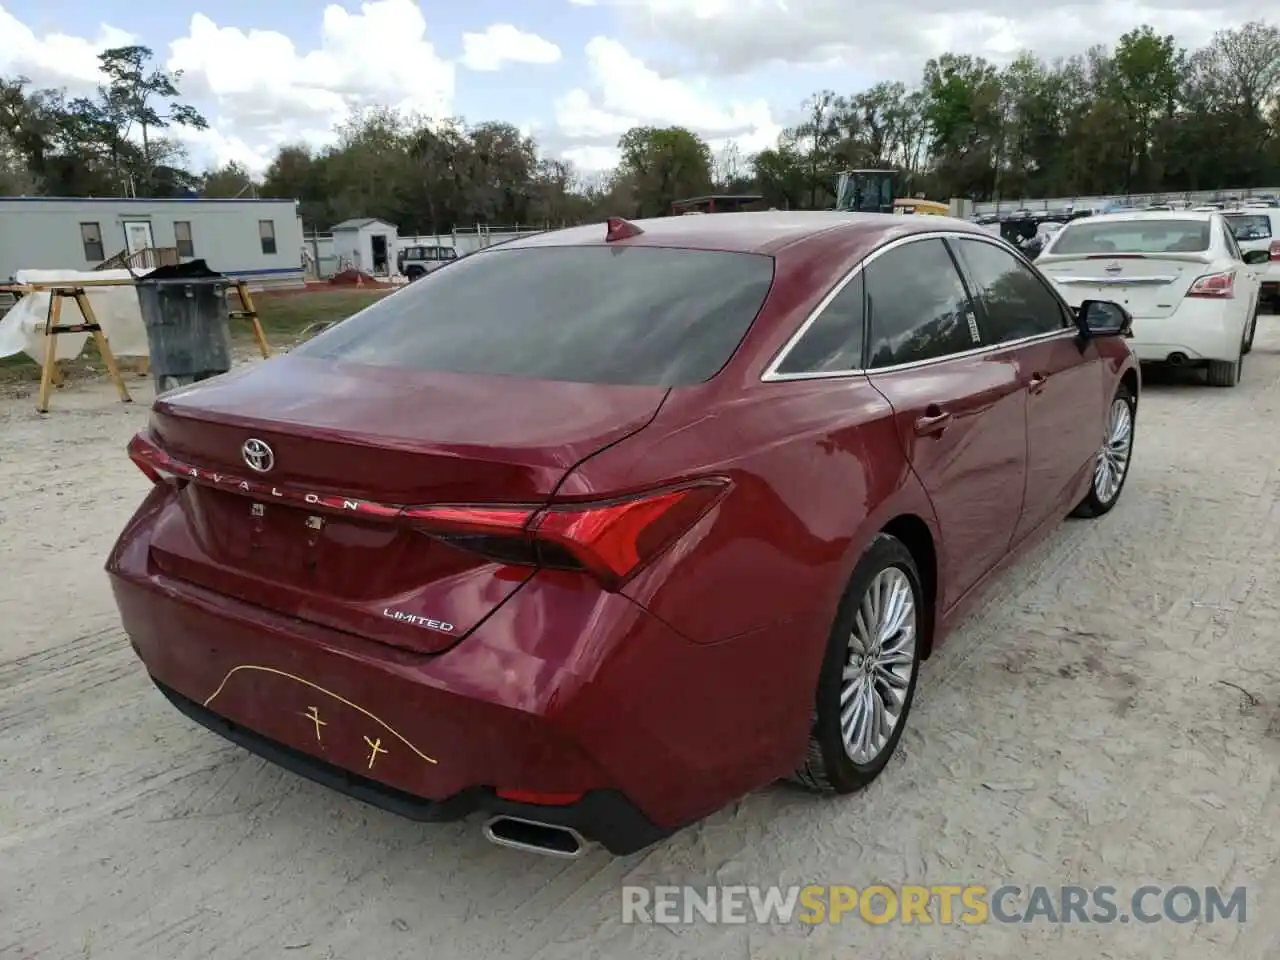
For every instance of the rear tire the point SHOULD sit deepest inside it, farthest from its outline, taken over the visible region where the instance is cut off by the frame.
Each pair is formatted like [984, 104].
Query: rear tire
[859, 690]
[1225, 373]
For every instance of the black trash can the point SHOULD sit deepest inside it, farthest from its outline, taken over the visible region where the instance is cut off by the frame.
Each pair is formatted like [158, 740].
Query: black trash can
[186, 315]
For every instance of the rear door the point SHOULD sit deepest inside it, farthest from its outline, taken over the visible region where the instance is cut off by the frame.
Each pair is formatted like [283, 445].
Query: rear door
[1249, 274]
[1064, 385]
[960, 408]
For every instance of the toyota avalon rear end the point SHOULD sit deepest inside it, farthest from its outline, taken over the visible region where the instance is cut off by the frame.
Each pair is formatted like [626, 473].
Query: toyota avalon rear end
[380, 561]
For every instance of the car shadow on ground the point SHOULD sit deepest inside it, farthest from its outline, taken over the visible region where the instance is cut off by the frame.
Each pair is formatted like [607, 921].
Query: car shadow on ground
[1164, 376]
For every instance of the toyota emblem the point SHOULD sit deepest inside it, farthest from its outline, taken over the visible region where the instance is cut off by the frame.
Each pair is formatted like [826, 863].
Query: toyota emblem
[258, 455]
[1114, 268]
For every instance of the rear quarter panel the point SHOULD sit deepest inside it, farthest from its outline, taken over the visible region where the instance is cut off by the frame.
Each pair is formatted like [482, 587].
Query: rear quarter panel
[817, 470]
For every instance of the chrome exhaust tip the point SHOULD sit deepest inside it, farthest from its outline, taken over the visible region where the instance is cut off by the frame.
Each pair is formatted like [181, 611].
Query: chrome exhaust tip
[530, 836]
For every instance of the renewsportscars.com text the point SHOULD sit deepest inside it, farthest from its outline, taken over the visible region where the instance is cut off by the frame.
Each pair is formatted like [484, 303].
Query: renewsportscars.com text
[966, 904]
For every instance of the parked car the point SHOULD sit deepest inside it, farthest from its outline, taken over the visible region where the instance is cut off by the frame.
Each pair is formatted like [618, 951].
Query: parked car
[1192, 292]
[1258, 229]
[645, 517]
[417, 261]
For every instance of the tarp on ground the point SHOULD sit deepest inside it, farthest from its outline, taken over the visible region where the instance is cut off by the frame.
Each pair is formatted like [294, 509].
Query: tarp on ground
[116, 308]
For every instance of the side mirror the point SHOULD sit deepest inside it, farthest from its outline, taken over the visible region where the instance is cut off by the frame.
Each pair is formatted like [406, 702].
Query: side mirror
[1103, 318]
[1253, 257]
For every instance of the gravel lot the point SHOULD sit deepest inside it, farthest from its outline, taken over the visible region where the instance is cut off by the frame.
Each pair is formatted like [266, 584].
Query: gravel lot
[1112, 716]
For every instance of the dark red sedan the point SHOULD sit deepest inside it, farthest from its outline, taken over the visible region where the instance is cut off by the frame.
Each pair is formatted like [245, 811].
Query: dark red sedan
[595, 531]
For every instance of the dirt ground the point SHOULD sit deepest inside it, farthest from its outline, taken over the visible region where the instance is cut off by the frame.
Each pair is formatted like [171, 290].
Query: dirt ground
[1112, 716]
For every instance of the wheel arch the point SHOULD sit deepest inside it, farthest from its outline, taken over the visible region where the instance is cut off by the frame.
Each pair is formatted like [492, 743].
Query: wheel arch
[915, 535]
[1133, 382]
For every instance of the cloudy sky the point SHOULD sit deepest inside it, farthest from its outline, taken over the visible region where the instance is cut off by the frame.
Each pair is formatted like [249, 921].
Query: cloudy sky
[576, 73]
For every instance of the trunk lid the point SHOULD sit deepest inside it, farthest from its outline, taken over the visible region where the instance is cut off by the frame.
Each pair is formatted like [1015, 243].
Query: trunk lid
[1147, 285]
[314, 535]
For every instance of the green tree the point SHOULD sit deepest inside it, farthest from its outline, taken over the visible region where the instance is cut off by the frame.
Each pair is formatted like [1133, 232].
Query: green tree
[138, 98]
[661, 165]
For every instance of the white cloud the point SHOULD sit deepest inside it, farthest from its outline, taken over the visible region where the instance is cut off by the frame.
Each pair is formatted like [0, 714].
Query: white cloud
[256, 88]
[591, 159]
[628, 93]
[502, 44]
[55, 59]
[888, 38]
[267, 92]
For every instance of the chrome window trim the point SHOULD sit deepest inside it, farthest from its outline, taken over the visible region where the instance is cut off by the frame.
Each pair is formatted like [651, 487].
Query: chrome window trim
[771, 374]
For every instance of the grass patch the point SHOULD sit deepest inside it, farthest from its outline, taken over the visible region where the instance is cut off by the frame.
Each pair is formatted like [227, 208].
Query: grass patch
[285, 316]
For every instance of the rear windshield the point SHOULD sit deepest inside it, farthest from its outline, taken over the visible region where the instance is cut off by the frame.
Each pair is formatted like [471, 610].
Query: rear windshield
[1134, 236]
[1250, 226]
[616, 315]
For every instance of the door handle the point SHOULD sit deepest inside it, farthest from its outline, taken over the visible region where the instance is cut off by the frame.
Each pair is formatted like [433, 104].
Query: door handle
[933, 422]
[1038, 381]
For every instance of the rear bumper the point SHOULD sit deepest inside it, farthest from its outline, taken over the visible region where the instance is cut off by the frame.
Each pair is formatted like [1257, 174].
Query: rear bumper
[1197, 330]
[561, 690]
[604, 816]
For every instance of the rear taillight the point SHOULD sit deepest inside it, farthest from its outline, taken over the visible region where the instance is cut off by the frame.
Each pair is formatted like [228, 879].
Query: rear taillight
[611, 540]
[156, 465]
[1275, 250]
[1214, 286]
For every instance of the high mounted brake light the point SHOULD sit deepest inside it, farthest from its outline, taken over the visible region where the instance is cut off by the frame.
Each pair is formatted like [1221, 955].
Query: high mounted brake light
[1214, 286]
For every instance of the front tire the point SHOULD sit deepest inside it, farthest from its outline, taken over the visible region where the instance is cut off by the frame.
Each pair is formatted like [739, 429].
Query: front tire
[1111, 468]
[868, 678]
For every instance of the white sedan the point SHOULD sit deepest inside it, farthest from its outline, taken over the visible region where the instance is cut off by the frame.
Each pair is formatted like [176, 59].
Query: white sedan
[1191, 291]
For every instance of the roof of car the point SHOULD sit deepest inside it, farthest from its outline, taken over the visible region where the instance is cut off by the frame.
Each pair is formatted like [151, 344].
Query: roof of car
[765, 231]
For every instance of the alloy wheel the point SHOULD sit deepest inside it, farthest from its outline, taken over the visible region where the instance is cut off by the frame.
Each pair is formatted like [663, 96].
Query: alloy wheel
[1113, 457]
[880, 664]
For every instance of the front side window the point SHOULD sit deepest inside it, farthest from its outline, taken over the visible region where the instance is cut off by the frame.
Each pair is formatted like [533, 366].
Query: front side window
[590, 314]
[1015, 303]
[833, 343]
[917, 306]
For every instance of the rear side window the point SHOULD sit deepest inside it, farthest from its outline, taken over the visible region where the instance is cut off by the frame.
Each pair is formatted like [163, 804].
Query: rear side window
[917, 306]
[1133, 236]
[833, 343]
[1250, 226]
[616, 315]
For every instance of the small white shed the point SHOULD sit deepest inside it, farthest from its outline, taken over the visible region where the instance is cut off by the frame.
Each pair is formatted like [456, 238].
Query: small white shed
[366, 244]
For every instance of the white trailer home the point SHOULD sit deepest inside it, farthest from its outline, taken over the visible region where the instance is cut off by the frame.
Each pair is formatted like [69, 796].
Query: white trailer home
[259, 241]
